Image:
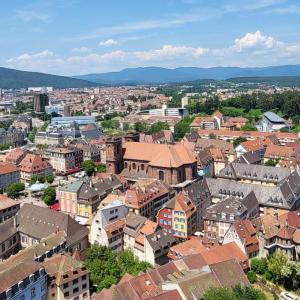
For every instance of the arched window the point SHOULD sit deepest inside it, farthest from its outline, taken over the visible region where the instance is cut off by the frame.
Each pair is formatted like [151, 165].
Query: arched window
[142, 167]
[161, 175]
[134, 166]
[125, 165]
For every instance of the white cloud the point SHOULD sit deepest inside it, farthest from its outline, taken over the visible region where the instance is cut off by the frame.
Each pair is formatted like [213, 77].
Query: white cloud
[252, 49]
[31, 15]
[170, 52]
[254, 40]
[108, 43]
[82, 49]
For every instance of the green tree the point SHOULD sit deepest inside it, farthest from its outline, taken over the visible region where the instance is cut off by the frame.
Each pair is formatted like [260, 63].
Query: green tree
[238, 141]
[271, 162]
[50, 178]
[89, 167]
[259, 265]
[249, 127]
[219, 294]
[182, 127]
[275, 264]
[159, 126]
[14, 189]
[49, 195]
[101, 168]
[141, 127]
[107, 267]
[252, 277]
[32, 133]
[248, 293]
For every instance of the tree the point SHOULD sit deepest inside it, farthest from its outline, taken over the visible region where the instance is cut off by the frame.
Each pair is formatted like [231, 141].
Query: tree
[159, 126]
[141, 127]
[259, 265]
[50, 178]
[182, 127]
[271, 162]
[239, 292]
[32, 133]
[107, 267]
[219, 294]
[49, 195]
[238, 141]
[248, 293]
[275, 264]
[89, 167]
[14, 189]
[249, 127]
[252, 277]
[101, 168]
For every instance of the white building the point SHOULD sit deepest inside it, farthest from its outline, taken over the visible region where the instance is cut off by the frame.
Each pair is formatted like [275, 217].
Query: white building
[107, 225]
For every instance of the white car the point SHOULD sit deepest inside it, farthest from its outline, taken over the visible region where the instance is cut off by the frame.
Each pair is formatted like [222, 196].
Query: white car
[288, 296]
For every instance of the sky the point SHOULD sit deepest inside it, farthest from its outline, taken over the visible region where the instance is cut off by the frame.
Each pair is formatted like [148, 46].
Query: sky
[74, 37]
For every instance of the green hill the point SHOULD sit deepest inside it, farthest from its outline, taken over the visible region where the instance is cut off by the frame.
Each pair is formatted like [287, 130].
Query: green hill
[13, 79]
[288, 81]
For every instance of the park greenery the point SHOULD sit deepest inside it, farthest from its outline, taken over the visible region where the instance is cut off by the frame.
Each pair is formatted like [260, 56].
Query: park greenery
[13, 190]
[89, 167]
[239, 292]
[278, 269]
[107, 267]
[49, 195]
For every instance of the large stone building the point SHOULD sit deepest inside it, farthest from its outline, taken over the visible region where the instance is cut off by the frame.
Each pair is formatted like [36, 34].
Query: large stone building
[173, 164]
[8, 174]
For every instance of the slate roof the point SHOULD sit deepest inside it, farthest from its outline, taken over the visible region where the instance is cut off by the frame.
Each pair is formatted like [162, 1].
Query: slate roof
[239, 171]
[284, 195]
[40, 222]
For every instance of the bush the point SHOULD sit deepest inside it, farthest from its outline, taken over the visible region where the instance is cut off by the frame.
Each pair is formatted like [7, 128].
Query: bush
[252, 276]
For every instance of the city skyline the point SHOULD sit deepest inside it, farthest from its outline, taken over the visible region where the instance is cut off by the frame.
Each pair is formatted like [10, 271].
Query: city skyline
[75, 38]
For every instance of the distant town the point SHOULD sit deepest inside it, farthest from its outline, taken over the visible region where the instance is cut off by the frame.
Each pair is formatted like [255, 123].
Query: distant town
[173, 191]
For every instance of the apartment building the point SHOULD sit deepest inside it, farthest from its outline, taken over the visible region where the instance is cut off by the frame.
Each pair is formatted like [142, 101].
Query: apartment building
[145, 198]
[8, 208]
[66, 160]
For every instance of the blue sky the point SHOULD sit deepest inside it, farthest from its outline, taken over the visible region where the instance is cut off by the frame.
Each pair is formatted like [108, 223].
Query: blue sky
[74, 37]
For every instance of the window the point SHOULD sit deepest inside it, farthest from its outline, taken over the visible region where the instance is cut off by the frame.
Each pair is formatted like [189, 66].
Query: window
[3, 247]
[75, 290]
[84, 286]
[33, 293]
[142, 167]
[65, 285]
[22, 297]
[84, 295]
[76, 298]
[161, 175]
[75, 281]
[133, 166]
[66, 294]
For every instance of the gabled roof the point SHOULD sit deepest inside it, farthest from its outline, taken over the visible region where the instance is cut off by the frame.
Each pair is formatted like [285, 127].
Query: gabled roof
[159, 155]
[39, 222]
[33, 163]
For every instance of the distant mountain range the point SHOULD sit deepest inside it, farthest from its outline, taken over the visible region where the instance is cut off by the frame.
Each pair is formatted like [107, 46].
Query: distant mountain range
[10, 79]
[163, 75]
[283, 75]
